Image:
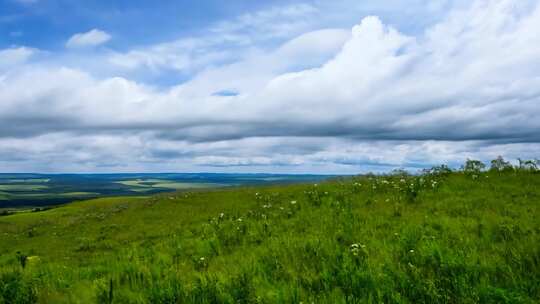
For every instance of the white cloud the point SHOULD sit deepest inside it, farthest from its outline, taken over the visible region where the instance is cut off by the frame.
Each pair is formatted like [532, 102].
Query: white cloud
[277, 22]
[91, 38]
[226, 41]
[15, 56]
[183, 55]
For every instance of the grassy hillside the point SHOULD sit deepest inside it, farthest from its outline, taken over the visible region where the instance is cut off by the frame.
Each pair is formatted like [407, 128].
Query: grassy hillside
[432, 239]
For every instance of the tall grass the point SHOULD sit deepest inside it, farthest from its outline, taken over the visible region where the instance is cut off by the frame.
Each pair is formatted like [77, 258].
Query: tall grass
[436, 238]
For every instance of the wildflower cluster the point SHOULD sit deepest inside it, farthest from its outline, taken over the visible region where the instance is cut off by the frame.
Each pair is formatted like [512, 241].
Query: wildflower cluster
[357, 249]
[314, 196]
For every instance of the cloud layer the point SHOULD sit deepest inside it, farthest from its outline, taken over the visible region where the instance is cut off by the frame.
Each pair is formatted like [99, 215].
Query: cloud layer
[328, 100]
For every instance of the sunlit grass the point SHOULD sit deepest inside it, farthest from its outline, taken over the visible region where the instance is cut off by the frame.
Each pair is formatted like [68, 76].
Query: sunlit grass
[438, 238]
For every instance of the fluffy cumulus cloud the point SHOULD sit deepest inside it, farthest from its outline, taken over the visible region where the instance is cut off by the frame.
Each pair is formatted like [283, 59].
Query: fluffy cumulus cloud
[370, 98]
[91, 38]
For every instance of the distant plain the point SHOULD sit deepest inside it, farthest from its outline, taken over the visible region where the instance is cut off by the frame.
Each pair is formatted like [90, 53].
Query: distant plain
[36, 190]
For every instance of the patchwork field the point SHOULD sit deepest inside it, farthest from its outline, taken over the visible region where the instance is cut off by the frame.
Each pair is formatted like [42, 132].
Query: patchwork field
[436, 238]
[17, 188]
[34, 190]
[145, 185]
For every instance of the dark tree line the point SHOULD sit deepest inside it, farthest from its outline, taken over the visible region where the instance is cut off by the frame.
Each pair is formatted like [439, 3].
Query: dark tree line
[500, 165]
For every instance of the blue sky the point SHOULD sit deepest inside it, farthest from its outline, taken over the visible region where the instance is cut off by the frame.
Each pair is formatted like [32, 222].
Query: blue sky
[47, 23]
[301, 86]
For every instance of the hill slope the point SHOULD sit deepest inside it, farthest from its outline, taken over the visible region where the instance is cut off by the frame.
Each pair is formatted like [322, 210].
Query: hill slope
[429, 239]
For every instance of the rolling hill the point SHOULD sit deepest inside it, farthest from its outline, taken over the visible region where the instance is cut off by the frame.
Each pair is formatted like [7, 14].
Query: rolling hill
[435, 238]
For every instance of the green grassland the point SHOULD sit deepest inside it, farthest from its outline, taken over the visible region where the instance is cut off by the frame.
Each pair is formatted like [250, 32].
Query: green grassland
[25, 187]
[28, 180]
[22, 189]
[436, 238]
[144, 185]
[21, 185]
[44, 195]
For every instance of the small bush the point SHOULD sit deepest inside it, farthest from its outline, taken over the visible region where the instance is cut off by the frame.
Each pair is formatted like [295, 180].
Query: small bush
[472, 166]
[500, 165]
